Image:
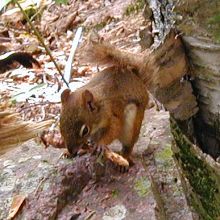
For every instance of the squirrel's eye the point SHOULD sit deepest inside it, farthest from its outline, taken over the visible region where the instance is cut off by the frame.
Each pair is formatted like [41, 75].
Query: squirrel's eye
[84, 131]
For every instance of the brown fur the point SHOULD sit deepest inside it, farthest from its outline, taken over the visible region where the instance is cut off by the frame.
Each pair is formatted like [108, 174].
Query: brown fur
[112, 104]
[142, 64]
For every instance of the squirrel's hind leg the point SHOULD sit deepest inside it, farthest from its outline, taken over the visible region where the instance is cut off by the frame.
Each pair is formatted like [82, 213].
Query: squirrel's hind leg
[133, 117]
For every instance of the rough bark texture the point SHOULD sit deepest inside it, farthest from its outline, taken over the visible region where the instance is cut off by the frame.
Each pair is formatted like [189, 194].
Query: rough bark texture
[168, 85]
[170, 88]
[200, 24]
[205, 58]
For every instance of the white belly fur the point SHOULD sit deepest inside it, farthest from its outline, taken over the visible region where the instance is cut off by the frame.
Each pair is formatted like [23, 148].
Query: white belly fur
[130, 113]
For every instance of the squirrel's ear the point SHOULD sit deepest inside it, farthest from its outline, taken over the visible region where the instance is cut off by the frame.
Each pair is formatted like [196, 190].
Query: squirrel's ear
[88, 100]
[65, 95]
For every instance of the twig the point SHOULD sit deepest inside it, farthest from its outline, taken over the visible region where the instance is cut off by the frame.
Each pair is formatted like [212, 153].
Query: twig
[41, 41]
[5, 39]
[68, 68]
[90, 215]
[39, 185]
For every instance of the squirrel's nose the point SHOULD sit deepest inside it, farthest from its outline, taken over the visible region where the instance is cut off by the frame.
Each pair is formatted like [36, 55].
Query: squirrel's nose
[72, 151]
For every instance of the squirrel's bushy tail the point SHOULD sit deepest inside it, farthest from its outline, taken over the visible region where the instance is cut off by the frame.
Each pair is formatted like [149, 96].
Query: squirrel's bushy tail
[103, 53]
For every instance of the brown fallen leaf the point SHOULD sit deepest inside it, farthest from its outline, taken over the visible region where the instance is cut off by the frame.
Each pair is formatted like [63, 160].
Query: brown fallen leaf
[16, 205]
[52, 138]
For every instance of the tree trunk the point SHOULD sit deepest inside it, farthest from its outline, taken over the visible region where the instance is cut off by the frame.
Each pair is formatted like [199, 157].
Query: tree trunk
[201, 28]
[198, 23]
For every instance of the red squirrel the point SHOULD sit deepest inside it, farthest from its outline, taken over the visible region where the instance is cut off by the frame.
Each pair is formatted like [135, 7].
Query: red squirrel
[111, 106]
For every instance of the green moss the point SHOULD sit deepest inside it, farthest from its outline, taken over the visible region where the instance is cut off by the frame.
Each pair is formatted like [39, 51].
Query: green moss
[216, 36]
[186, 29]
[214, 22]
[30, 11]
[100, 25]
[97, 27]
[142, 186]
[165, 156]
[134, 7]
[61, 2]
[214, 19]
[13, 102]
[205, 197]
[115, 193]
[200, 18]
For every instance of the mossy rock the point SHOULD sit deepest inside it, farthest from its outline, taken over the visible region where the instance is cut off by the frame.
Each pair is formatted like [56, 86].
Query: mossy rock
[201, 175]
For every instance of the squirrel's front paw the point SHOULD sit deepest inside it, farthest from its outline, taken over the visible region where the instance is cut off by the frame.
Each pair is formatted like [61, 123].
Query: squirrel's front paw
[98, 150]
[117, 161]
[66, 154]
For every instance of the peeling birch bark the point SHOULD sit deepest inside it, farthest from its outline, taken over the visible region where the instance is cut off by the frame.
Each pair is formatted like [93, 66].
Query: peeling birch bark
[199, 25]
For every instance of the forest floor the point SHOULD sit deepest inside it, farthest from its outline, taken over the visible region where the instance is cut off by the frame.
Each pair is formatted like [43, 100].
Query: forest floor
[151, 189]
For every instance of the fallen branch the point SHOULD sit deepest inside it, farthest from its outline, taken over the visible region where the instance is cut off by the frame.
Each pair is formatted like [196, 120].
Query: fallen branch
[68, 67]
[14, 131]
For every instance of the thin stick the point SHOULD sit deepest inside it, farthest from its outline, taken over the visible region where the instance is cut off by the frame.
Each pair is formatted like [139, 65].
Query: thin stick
[68, 67]
[42, 42]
